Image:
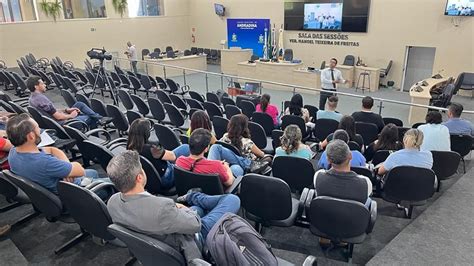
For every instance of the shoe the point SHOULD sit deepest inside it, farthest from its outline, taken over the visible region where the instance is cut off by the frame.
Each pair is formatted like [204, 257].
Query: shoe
[257, 166]
[184, 199]
[324, 243]
[5, 229]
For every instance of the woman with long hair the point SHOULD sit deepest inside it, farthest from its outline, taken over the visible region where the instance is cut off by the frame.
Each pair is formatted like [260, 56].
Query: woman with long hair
[347, 123]
[200, 119]
[291, 144]
[265, 107]
[387, 140]
[162, 159]
[296, 108]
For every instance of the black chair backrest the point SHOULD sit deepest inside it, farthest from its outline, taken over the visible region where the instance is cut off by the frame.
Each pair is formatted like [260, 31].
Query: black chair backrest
[166, 137]
[338, 218]
[133, 115]
[226, 101]
[161, 83]
[185, 180]
[365, 172]
[196, 96]
[18, 109]
[153, 184]
[349, 60]
[416, 125]
[265, 197]
[174, 115]
[194, 104]
[212, 109]
[287, 120]
[141, 104]
[156, 109]
[169, 48]
[187, 52]
[6, 106]
[288, 55]
[145, 52]
[97, 153]
[257, 134]
[68, 98]
[170, 54]
[7, 188]
[283, 167]
[87, 209]
[445, 163]
[50, 123]
[75, 134]
[194, 50]
[461, 144]
[380, 156]
[313, 111]
[231, 110]
[248, 108]
[324, 127]
[163, 96]
[368, 131]
[265, 120]
[212, 97]
[135, 83]
[147, 250]
[99, 107]
[44, 200]
[354, 146]
[36, 114]
[157, 50]
[220, 126]
[254, 57]
[392, 120]
[276, 135]
[178, 102]
[401, 132]
[119, 119]
[408, 183]
[125, 99]
[146, 82]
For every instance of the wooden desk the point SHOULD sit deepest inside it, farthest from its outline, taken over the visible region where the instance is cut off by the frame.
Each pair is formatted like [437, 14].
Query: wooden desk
[422, 96]
[305, 78]
[198, 62]
[231, 57]
[374, 77]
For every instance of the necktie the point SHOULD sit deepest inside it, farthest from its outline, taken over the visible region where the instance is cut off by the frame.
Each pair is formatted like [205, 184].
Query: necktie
[332, 77]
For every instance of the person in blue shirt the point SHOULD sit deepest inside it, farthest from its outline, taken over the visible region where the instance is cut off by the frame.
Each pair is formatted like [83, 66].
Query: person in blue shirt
[455, 123]
[330, 113]
[357, 159]
[291, 144]
[45, 166]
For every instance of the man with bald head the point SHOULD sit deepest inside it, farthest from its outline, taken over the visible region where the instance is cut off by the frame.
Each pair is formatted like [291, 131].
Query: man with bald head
[132, 55]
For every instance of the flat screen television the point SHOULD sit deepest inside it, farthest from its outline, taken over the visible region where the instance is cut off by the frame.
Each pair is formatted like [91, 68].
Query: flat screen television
[459, 8]
[327, 15]
[220, 9]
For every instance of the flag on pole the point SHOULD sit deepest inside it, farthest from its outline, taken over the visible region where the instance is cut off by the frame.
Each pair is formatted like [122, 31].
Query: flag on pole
[281, 50]
[265, 45]
[274, 45]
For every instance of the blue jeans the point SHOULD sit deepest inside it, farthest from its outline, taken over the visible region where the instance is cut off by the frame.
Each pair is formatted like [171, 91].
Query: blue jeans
[167, 180]
[94, 175]
[237, 163]
[87, 115]
[212, 208]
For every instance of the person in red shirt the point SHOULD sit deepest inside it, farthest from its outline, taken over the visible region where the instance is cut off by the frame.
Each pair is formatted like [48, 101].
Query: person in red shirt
[196, 162]
[5, 147]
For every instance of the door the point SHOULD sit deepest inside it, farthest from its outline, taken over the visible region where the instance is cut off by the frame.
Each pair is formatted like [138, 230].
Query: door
[418, 65]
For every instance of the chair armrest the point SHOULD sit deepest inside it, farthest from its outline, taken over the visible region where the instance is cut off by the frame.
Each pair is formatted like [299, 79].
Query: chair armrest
[4, 159]
[113, 146]
[102, 185]
[310, 261]
[304, 195]
[373, 216]
[185, 89]
[178, 131]
[75, 122]
[68, 64]
[235, 186]
[117, 141]
[108, 138]
[93, 184]
[199, 262]
[21, 101]
[309, 199]
[50, 131]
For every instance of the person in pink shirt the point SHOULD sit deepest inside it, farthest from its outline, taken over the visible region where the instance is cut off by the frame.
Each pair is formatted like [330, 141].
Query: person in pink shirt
[265, 107]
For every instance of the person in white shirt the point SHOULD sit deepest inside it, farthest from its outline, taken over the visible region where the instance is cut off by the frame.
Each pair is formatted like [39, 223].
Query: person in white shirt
[330, 77]
[320, 20]
[436, 135]
[132, 55]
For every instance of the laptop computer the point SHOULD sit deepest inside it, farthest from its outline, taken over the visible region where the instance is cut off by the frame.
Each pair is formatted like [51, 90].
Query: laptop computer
[252, 87]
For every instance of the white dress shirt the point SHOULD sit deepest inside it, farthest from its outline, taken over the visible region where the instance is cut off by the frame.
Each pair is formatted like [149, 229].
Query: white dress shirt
[326, 79]
[132, 53]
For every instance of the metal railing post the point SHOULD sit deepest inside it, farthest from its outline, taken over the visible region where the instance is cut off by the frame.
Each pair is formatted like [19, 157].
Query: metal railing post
[207, 84]
[380, 107]
[184, 76]
[164, 72]
[222, 81]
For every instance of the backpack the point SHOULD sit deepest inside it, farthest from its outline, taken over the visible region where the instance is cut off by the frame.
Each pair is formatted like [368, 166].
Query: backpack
[232, 241]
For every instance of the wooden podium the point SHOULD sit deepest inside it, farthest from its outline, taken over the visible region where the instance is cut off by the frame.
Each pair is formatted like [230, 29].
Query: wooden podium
[420, 94]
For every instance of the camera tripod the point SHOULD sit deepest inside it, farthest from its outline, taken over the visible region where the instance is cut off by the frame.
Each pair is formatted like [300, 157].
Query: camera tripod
[101, 72]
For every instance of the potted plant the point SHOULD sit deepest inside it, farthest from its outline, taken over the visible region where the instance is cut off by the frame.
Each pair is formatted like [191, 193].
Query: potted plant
[51, 9]
[120, 6]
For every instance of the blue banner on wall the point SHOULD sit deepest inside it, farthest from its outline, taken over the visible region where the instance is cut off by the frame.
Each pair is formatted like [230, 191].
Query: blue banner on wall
[247, 33]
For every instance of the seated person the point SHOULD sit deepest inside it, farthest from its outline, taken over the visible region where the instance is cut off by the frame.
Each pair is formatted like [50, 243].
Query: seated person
[296, 108]
[45, 166]
[196, 162]
[330, 113]
[5, 146]
[265, 107]
[200, 119]
[291, 144]
[455, 123]
[357, 159]
[162, 160]
[410, 155]
[79, 110]
[367, 116]
[163, 219]
[348, 124]
[387, 140]
[435, 136]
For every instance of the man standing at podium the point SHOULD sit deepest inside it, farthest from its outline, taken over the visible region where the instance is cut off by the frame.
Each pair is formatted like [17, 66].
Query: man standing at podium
[330, 77]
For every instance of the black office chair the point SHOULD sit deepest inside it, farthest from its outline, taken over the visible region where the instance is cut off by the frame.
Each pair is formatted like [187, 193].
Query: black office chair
[132, 116]
[354, 146]
[384, 71]
[119, 120]
[210, 184]
[147, 85]
[175, 88]
[169, 48]
[231, 110]
[163, 96]
[212, 97]
[288, 55]
[258, 136]
[84, 99]
[268, 202]
[15, 198]
[254, 58]
[141, 105]
[391, 120]
[157, 110]
[323, 65]
[68, 98]
[96, 153]
[230, 147]
[461, 144]
[380, 156]
[154, 184]
[145, 52]
[408, 185]
[324, 127]
[220, 126]
[276, 135]
[98, 106]
[445, 165]
[178, 102]
[401, 133]
[365, 172]
[247, 107]
[175, 116]
[416, 125]
[313, 111]
[226, 101]
[126, 99]
[342, 220]
[194, 104]
[196, 96]
[349, 60]
[368, 131]
[166, 137]
[194, 50]
[283, 167]
[265, 120]
[212, 109]
[287, 120]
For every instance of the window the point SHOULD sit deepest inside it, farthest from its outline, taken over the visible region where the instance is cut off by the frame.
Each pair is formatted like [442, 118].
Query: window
[143, 8]
[84, 9]
[17, 10]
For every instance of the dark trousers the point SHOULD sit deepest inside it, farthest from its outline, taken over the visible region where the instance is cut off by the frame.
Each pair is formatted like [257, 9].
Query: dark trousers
[134, 66]
[324, 96]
